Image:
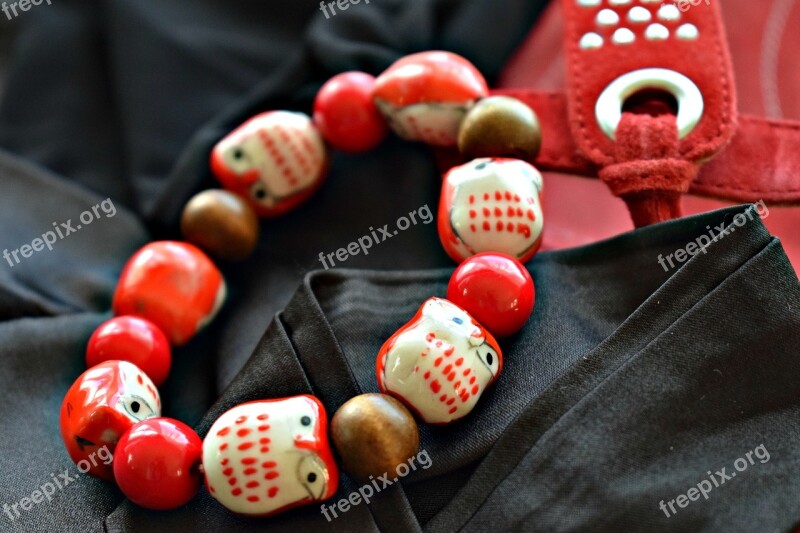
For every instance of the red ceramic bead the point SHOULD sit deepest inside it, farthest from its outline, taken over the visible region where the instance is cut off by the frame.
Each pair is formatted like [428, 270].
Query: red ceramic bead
[132, 339]
[275, 160]
[264, 457]
[174, 285]
[346, 115]
[425, 96]
[439, 363]
[156, 464]
[491, 205]
[102, 404]
[496, 290]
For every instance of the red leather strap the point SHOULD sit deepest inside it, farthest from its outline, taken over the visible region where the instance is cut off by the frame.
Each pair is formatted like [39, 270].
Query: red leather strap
[629, 45]
[649, 172]
[762, 161]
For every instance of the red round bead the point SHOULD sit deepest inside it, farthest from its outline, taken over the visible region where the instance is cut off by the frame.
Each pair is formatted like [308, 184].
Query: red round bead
[496, 290]
[346, 115]
[156, 463]
[132, 339]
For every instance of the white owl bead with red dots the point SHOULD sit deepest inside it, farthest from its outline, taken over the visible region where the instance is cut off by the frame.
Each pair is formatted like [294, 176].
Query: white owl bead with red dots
[439, 363]
[267, 456]
[491, 205]
[276, 161]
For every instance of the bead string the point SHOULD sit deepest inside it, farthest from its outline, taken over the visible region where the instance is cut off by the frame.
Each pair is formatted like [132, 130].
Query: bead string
[267, 456]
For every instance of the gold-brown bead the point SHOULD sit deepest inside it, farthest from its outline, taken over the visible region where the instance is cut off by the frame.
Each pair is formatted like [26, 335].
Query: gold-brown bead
[221, 223]
[500, 126]
[373, 434]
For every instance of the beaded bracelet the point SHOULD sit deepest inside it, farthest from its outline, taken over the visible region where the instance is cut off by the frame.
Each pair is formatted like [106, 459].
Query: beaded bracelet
[263, 457]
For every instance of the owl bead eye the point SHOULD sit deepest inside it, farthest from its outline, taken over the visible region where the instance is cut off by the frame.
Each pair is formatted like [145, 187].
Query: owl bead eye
[260, 194]
[306, 420]
[138, 408]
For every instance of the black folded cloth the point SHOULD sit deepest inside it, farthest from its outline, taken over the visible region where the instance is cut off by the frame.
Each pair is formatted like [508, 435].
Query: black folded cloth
[634, 400]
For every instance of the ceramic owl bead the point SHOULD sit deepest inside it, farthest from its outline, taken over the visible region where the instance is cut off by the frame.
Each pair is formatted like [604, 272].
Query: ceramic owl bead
[267, 456]
[102, 404]
[172, 284]
[276, 161]
[439, 363]
[491, 205]
[425, 96]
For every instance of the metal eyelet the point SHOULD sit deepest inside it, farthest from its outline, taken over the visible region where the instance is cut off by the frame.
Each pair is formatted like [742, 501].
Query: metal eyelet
[608, 109]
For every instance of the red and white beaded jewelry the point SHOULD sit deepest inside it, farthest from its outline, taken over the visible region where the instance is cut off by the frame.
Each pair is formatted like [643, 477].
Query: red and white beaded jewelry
[267, 456]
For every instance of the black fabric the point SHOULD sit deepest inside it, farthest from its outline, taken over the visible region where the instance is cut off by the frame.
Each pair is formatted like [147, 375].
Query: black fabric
[626, 386]
[620, 393]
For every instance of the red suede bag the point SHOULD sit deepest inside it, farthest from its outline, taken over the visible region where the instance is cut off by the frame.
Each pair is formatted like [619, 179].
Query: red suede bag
[744, 149]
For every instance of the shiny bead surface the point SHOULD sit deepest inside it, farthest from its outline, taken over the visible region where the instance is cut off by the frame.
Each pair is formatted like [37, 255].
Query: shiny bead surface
[425, 96]
[263, 457]
[374, 433]
[500, 126]
[132, 339]
[102, 404]
[439, 363]
[491, 205]
[221, 223]
[346, 115]
[156, 464]
[276, 160]
[496, 289]
[172, 284]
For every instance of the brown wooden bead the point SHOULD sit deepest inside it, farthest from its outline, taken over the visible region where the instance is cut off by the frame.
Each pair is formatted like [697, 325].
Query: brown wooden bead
[221, 223]
[373, 434]
[500, 126]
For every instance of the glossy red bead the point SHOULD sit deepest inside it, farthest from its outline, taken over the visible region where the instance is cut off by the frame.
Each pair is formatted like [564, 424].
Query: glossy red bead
[172, 284]
[346, 115]
[425, 96]
[132, 339]
[496, 289]
[156, 463]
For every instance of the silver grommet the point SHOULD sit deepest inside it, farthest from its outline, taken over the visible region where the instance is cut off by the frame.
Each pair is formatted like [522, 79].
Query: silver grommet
[608, 109]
